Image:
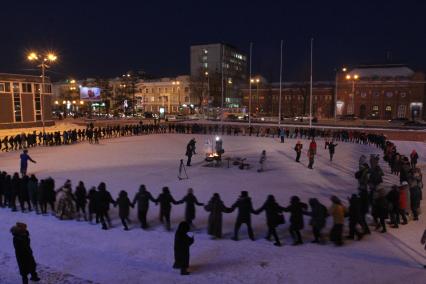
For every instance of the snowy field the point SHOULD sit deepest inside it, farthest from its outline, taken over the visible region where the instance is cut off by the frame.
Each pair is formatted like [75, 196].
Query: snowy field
[77, 252]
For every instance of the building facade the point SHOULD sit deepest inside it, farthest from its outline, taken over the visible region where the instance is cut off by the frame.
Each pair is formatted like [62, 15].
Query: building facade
[165, 95]
[381, 92]
[265, 98]
[22, 101]
[217, 67]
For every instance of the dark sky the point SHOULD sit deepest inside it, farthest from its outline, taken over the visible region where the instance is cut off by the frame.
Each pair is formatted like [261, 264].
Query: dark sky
[107, 38]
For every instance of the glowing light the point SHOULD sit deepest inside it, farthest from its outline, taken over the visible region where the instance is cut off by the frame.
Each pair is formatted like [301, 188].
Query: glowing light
[51, 57]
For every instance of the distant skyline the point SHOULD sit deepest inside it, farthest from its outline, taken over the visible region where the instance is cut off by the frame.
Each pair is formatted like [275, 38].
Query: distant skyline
[107, 38]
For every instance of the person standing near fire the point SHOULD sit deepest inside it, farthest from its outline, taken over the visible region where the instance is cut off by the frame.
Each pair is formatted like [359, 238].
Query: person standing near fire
[190, 150]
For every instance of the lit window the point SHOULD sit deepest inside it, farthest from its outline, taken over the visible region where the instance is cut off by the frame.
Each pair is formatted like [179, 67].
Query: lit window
[205, 51]
[388, 108]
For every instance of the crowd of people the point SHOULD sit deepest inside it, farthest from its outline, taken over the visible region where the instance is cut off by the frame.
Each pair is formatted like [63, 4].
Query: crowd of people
[391, 202]
[94, 134]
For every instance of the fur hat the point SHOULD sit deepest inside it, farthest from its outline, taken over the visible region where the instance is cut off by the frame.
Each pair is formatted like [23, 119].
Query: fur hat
[19, 229]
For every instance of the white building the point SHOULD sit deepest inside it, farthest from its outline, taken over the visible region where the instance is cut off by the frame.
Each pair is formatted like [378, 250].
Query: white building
[172, 95]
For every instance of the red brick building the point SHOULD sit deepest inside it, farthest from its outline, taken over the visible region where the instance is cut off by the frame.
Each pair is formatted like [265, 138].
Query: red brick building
[294, 98]
[21, 102]
[381, 92]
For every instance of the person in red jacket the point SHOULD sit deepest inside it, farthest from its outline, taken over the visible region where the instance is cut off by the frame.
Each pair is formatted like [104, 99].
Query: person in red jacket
[313, 146]
[403, 202]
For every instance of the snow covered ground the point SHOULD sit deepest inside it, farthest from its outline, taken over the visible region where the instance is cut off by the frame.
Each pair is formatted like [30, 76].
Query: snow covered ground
[77, 252]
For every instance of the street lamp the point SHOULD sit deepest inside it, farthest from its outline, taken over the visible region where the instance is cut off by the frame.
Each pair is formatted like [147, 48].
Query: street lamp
[208, 85]
[42, 60]
[255, 81]
[353, 78]
[344, 69]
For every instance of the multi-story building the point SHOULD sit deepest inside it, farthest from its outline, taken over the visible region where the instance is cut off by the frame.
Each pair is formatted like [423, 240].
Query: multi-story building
[216, 65]
[22, 101]
[265, 98]
[381, 92]
[168, 95]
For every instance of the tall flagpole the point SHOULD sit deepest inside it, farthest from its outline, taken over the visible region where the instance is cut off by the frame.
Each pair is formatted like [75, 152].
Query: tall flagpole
[221, 63]
[281, 79]
[310, 89]
[249, 114]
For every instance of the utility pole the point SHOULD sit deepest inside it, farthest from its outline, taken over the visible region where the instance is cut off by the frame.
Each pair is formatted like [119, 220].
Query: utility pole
[281, 79]
[310, 88]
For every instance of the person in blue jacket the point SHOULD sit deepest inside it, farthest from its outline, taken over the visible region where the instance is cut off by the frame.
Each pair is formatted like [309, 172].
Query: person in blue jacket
[24, 162]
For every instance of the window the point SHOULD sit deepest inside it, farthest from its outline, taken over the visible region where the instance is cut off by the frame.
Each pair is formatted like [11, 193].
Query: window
[48, 88]
[205, 51]
[402, 109]
[165, 90]
[17, 105]
[152, 99]
[388, 108]
[363, 94]
[5, 87]
[389, 94]
[205, 65]
[375, 108]
[37, 102]
[403, 94]
[146, 91]
[376, 94]
[186, 89]
[37, 88]
[26, 88]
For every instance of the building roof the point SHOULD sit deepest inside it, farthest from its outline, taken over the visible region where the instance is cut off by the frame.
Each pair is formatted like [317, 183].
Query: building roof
[21, 78]
[382, 71]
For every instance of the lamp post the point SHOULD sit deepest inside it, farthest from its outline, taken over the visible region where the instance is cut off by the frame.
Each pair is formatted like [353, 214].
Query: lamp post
[353, 78]
[42, 61]
[336, 91]
[177, 83]
[208, 88]
[256, 81]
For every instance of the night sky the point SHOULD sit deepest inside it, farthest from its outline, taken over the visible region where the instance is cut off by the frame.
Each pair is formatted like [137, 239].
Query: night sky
[108, 38]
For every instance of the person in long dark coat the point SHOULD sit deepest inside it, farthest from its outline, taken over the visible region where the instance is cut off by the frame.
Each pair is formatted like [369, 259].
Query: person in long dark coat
[142, 199]
[23, 252]
[15, 186]
[32, 187]
[166, 200]
[103, 199]
[354, 217]
[124, 205]
[380, 208]
[50, 193]
[274, 217]
[319, 214]
[216, 207]
[190, 150]
[190, 200]
[245, 209]
[393, 201]
[23, 195]
[181, 248]
[296, 209]
[93, 207]
[80, 195]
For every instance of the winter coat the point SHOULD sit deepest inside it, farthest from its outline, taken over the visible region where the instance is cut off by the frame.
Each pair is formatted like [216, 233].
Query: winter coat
[331, 147]
[380, 205]
[65, 208]
[93, 207]
[49, 190]
[318, 215]
[273, 213]
[245, 208]
[376, 175]
[402, 198]
[354, 209]
[32, 190]
[181, 249]
[165, 200]
[124, 205]
[364, 201]
[103, 199]
[81, 196]
[190, 200]
[216, 208]
[296, 215]
[393, 199]
[23, 252]
[142, 199]
[337, 211]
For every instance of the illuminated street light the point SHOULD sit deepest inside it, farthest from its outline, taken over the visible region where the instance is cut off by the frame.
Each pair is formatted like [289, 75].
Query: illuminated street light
[41, 60]
[353, 78]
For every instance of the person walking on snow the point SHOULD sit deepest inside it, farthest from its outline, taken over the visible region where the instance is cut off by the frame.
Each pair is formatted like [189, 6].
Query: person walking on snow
[262, 161]
[142, 198]
[216, 207]
[413, 159]
[245, 209]
[181, 248]
[124, 205]
[24, 162]
[190, 150]
[166, 200]
[274, 217]
[331, 149]
[298, 149]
